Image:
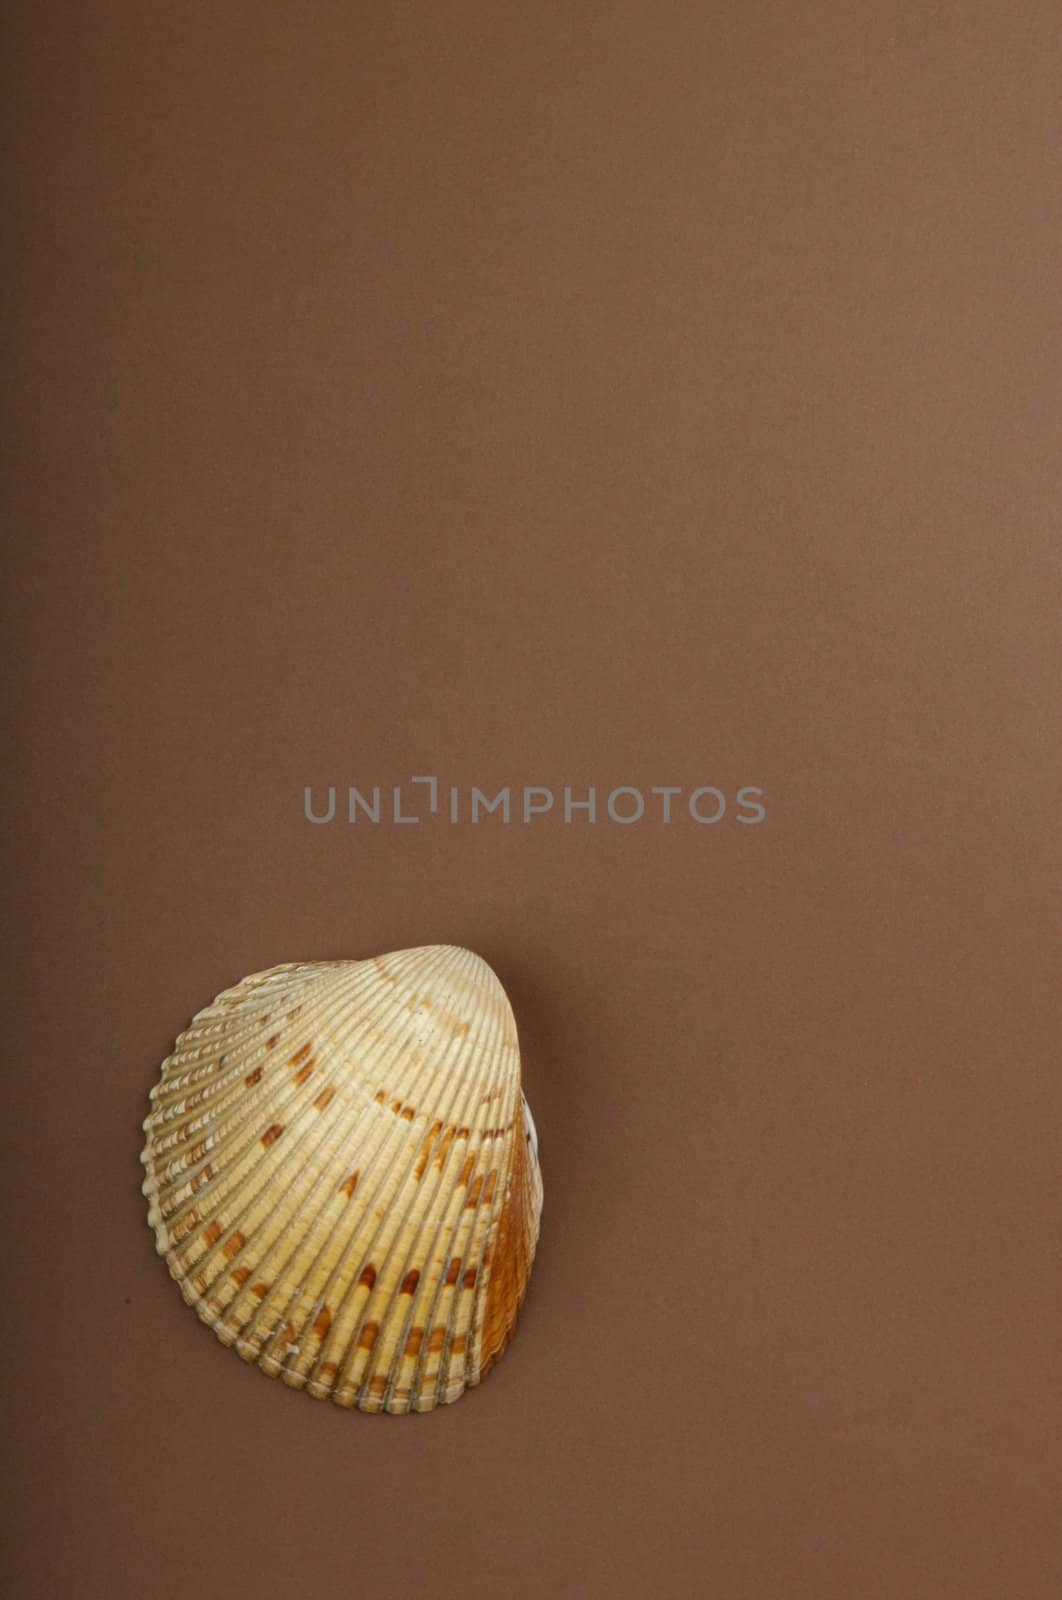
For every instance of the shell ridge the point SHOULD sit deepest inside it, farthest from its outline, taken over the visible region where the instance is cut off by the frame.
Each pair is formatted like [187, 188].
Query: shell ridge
[460, 1093]
[517, 1222]
[488, 1236]
[380, 1148]
[220, 1067]
[221, 1147]
[465, 1240]
[417, 1246]
[379, 1155]
[296, 1213]
[237, 1192]
[209, 1024]
[451, 1217]
[460, 1089]
[248, 1120]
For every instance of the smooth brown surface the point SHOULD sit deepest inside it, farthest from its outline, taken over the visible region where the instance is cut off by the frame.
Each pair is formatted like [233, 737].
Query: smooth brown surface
[573, 394]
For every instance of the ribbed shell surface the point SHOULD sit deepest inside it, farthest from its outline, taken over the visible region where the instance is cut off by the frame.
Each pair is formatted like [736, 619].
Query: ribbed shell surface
[342, 1174]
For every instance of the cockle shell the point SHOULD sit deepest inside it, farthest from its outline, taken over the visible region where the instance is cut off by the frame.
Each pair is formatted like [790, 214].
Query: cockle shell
[343, 1177]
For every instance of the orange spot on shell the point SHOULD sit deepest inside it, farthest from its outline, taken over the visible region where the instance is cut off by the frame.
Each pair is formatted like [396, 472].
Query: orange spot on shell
[455, 1270]
[300, 1054]
[252, 1078]
[240, 1275]
[304, 1072]
[410, 1281]
[367, 1336]
[368, 1277]
[233, 1245]
[212, 1233]
[322, 1323]
[272, 1134]
[324, 1099]
[414, 1342]
[348, 1185]
[425, 1150]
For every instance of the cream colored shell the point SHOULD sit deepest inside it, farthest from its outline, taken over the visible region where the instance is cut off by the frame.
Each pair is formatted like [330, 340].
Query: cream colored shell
[342, 1174]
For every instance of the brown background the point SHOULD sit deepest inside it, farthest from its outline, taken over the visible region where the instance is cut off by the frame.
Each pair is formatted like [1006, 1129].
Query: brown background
[553, 394]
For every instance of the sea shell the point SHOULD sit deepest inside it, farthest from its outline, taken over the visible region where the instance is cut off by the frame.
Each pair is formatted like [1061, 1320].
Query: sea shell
[343, 1177]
